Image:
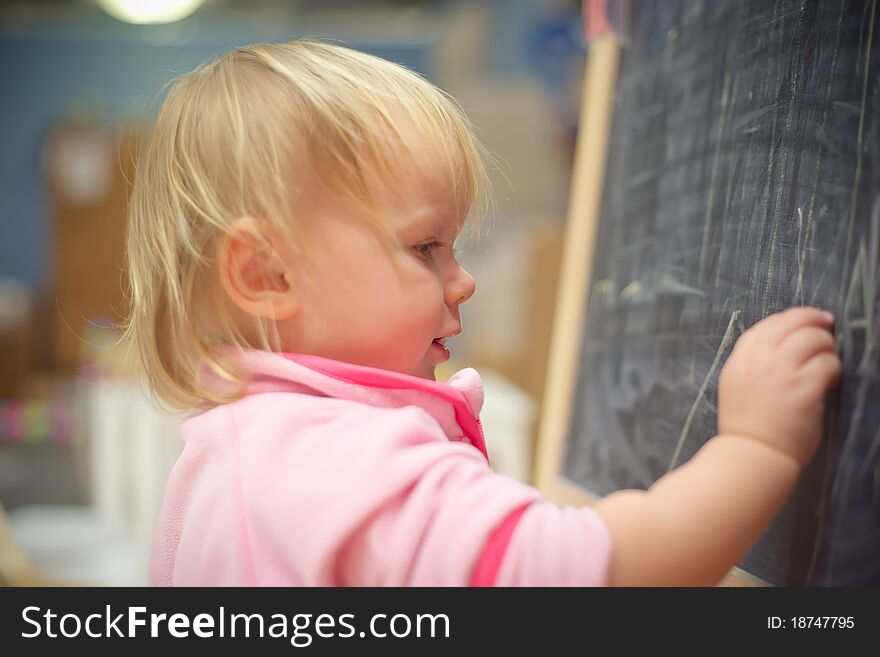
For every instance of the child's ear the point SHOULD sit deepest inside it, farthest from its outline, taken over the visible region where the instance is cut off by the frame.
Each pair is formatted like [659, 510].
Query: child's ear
[254, 272]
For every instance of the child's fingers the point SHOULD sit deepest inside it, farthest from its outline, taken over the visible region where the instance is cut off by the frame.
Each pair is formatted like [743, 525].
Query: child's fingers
[777, 326]
[824, 368]
[803, 344]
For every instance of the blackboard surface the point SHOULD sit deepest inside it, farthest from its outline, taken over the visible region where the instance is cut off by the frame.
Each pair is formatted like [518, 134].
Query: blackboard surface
[743, 177]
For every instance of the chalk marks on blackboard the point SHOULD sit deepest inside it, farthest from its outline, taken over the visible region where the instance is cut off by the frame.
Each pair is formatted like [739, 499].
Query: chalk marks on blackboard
[802, 254]
[726, 342]
[667, 284]
[742, 178]
[860, 149]
[860, 315]
[630, 291]
[713, 177]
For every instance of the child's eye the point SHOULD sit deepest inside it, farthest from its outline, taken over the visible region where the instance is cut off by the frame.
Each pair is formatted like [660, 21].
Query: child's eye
[426, 249]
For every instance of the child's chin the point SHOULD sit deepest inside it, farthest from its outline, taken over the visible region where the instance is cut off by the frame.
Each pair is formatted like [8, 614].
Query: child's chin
[427, 372]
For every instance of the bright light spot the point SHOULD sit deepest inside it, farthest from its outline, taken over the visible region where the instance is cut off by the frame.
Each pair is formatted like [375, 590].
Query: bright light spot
[150, 11]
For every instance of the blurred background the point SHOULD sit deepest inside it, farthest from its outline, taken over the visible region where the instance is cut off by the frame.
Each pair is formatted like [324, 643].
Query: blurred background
[83, 454]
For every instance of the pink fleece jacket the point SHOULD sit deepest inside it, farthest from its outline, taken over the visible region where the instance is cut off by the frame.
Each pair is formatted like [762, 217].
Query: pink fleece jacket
[331, 474]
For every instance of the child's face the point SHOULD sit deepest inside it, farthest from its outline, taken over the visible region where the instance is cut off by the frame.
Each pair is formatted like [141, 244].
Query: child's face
[383, 309]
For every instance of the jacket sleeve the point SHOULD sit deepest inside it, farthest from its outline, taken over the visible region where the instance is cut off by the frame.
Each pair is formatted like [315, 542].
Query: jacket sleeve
[380, 497]
[554, 546]
[458, 524]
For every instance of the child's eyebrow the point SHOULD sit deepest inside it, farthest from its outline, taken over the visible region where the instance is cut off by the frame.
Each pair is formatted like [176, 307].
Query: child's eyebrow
[425, 220]
[439, 220]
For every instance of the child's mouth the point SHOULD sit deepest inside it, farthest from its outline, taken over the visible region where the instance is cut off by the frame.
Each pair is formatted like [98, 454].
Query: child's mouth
[441, 343]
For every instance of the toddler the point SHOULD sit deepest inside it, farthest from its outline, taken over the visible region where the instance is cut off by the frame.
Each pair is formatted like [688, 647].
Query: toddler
[294, 281]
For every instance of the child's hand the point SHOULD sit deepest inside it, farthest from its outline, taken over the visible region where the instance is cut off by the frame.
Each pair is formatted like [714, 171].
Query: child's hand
[773, 385]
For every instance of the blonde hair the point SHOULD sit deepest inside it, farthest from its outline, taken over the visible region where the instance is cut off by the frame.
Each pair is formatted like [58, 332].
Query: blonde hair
[247, 135]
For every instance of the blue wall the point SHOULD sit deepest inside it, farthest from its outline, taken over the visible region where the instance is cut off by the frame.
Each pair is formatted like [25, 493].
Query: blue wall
[47, 71]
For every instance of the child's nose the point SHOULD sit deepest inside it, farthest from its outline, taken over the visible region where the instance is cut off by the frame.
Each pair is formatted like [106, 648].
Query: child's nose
[460, 288]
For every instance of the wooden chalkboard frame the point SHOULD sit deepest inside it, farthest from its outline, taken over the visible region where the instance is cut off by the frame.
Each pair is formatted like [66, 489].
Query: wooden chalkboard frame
[585, 203]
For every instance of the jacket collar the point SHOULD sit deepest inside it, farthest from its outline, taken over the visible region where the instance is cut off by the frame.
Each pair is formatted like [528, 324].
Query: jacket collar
[455, 404]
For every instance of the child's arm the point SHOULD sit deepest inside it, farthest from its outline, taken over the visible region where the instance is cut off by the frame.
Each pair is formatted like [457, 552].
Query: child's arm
[697, 522]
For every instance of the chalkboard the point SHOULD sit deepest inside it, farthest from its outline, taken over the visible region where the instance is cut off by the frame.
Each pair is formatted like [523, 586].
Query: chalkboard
[742, 177]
